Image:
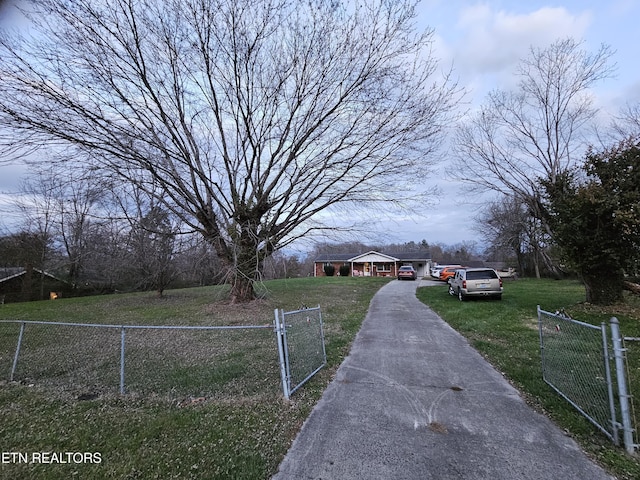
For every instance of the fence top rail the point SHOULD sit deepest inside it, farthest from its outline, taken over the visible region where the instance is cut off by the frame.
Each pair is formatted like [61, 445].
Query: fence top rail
[304, 309]
[571, 320]
[141, 327]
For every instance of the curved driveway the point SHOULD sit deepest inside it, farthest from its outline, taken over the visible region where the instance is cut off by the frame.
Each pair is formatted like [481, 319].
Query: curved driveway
[413, 400]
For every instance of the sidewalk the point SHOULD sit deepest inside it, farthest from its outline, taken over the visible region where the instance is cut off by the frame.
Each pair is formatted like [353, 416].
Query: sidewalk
[414, 401]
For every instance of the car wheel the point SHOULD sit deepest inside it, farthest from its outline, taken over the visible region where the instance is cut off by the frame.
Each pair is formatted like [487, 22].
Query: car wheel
[460, 295]
[452, 292]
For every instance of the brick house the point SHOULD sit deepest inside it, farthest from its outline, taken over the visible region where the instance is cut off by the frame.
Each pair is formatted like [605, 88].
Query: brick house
[374, 264]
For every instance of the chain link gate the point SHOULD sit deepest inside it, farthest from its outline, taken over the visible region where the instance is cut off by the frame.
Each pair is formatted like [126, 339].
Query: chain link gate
[577, 362]
[301, 348]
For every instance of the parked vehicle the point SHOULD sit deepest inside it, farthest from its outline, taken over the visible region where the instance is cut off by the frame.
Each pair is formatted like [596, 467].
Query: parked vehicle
[476, 282]
[435, 271]
[407, 271]
[447, 272]
[508, 273]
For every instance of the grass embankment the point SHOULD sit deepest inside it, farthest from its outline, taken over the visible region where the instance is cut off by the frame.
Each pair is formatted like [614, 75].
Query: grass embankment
[505, 332]
[223, 415]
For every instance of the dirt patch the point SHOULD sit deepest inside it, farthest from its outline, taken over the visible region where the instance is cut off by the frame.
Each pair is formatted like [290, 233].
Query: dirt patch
[438, 427]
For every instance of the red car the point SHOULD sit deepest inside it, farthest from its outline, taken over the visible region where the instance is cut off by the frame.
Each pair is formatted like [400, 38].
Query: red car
[407, 271]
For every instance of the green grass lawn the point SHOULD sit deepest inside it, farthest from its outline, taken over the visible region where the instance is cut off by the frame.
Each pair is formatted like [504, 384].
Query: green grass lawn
[227, 418]
[506, 333]
[200, 406]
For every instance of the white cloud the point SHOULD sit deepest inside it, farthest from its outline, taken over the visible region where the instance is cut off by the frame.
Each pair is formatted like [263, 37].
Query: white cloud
[493, 41]
[485, 42]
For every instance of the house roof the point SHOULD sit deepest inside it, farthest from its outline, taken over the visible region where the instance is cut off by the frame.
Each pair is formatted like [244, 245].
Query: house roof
[350, 257]
[8, 273]
[412, 255]
[335, 257]
[373, 256]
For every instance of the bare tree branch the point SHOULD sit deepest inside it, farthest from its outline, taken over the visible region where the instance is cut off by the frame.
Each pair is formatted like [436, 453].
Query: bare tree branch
[253, 116]
[534, 132]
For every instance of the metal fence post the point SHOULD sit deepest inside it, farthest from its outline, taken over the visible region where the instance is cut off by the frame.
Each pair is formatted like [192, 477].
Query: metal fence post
[122, 337]
[280, 339]
[542, 363]
[618, 352]
[324, 350]
[607, 370]
[15, 357]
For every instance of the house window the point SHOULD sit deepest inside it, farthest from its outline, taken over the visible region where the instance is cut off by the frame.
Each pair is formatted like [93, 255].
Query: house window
[384, 267]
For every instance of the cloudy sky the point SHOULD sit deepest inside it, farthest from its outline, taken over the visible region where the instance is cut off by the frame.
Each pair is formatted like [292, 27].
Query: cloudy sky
[483, 41]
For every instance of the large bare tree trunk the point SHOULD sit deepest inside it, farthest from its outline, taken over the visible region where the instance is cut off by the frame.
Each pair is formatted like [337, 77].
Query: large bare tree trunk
[243, 258]
[242, 289]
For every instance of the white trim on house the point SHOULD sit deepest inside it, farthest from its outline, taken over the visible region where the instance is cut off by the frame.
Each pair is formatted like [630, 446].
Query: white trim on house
[373, 257]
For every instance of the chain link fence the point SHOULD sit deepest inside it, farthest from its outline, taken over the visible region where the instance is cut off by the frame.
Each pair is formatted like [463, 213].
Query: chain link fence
[89, 360]
[575, 363]
[589, 369]
[301, 346]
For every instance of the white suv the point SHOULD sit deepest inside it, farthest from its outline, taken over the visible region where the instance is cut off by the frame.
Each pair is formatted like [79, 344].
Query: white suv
[476, 282]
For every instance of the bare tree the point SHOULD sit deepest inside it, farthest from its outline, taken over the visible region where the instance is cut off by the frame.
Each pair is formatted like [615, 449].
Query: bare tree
[153, 249]
[37, 207]
[535, 132]
[78, 200]
[503, 225]
[252, 115]
[627, 124]
[197, 264]
[511, 231]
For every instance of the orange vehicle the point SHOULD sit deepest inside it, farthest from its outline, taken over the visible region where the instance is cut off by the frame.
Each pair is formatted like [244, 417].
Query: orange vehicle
[447, 272]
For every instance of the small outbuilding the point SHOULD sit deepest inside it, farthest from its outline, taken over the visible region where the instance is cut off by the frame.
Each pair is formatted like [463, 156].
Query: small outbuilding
[26, 284]
[374, 264]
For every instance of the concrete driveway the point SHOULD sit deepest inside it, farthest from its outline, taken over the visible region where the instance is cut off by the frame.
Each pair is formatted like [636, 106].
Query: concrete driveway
[414, 401]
